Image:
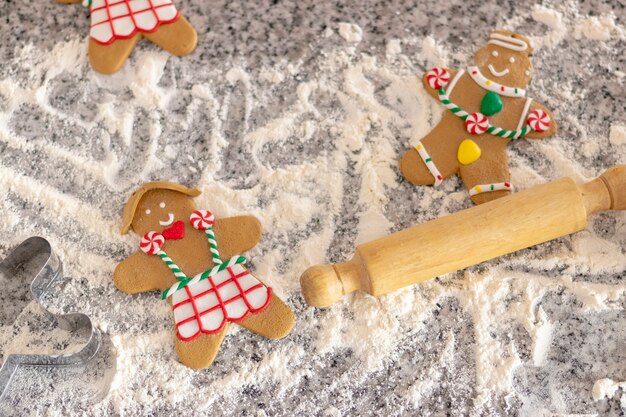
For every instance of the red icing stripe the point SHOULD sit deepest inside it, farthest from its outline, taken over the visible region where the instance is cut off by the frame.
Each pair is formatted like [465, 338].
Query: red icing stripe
[221, 304]
[107, 6]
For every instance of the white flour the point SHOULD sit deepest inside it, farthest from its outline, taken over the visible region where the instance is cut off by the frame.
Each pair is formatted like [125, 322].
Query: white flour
[375, 102]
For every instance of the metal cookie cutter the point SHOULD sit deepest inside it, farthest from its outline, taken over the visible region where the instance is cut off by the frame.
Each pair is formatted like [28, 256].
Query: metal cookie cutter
[26, 261]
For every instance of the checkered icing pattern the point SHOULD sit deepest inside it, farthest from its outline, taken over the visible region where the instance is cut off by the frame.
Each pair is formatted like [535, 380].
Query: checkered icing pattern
[122, 19]
[206, 306]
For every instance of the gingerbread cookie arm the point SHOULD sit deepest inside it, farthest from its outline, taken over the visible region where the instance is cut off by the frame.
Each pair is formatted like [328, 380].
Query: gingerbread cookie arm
[140, 273]
[552, 128]
[200, 352]
[275, 322]
[433, 158]
[487, 178]
[428, 84]
[236, 235]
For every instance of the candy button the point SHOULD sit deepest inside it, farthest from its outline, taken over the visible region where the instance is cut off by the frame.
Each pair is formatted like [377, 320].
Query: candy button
[468, 152]
[491, 104]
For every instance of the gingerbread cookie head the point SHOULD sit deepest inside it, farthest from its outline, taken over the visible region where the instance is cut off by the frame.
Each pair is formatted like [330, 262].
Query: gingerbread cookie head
[506, 59]
[157, 206]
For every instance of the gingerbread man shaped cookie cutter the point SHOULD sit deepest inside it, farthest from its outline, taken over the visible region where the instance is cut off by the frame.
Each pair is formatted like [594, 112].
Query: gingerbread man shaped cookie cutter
[25, 256]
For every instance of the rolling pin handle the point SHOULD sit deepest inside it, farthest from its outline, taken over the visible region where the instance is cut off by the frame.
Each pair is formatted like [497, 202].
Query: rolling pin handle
[615, 180]
[324, 285]
[607, 192]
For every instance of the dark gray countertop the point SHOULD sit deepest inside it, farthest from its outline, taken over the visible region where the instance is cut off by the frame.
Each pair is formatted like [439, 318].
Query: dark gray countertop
[276, 114]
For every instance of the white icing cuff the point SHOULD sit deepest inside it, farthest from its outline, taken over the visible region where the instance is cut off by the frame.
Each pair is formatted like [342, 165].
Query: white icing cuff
[421, 150]
[487, 188]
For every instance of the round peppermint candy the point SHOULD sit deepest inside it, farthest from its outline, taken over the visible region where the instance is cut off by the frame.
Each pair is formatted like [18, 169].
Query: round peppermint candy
[477, 123]
[538, 120]
[152, 242]
[202, 219]
[437, 78]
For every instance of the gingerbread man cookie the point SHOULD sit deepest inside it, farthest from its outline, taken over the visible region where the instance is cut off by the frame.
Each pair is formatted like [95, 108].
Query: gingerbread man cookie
[195, 260]
[487, 107]
[117, 26]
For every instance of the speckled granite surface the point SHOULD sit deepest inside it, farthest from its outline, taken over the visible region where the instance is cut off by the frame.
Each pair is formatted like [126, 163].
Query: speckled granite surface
[263, 116]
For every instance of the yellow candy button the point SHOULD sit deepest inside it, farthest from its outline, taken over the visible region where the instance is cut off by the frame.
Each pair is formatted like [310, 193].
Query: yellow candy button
[468, 152]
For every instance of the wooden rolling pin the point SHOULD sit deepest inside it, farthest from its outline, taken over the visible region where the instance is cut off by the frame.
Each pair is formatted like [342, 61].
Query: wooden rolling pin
[466, 238]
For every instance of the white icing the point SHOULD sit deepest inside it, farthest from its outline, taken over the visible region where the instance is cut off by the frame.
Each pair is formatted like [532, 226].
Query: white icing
[487, 84]
[508, 42]
[522, 118]
[487, 188]
[170, 220]
[497, 73]
[452, 84]
[205, 294]
[432, 167]
[162, 204]
[120, 19]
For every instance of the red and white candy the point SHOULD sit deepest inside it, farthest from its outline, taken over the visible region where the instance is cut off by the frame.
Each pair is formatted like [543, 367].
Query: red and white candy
[538, 120]
[437, 77]
[476, 123]
[202, 219]
[152, 242]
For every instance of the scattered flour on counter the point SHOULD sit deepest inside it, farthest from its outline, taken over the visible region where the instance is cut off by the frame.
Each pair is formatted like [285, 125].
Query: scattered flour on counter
[394, 47]
[554, 20]
[433, 52]
[601, 28]
[617, 135]
[312, 196]
[606, 388]
[351, 32]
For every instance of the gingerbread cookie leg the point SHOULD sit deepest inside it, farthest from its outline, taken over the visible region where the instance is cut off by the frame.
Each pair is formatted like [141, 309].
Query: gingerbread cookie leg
[200, 352]
[274, 322]
[108, 59]
[178, 38]
[432, 160]
[487, 177]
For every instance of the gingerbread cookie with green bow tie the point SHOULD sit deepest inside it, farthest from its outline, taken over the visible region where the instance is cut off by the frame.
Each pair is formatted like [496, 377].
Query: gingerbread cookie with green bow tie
[486, 108]
[117, 26]
[196, 262]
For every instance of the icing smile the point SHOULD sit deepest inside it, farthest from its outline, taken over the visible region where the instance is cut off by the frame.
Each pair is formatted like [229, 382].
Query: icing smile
[169, 220]
[497, 73]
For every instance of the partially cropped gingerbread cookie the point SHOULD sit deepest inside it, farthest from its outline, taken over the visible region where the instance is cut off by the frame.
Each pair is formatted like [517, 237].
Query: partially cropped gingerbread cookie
[196, 262]
[487, 107]
[117, 26]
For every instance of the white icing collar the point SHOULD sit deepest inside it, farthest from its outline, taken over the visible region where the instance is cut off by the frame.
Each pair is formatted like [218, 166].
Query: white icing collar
[490, 85]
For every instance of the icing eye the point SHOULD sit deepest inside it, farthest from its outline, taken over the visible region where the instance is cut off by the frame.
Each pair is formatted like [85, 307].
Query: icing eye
[511, 60]
[494, 53]
[162, 204]
[148, 211]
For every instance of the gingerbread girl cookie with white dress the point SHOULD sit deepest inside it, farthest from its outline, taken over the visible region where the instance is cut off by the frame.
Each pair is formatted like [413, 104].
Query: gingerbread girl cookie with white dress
[117, 26]
[196, 262]
[487, 107]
